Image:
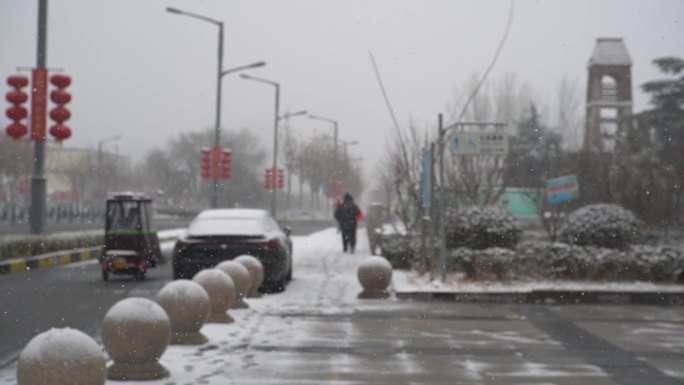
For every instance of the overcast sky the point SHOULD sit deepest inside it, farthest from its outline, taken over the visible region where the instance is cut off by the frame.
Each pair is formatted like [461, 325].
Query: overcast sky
[146, 74]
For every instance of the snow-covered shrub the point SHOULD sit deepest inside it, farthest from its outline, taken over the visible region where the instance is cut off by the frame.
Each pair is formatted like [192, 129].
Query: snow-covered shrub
[488, 264]
[602, 225]
[480, 228]
[541, 260]
[399, 249]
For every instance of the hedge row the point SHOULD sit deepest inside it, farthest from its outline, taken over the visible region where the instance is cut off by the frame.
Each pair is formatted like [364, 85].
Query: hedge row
[535, 260]
[37, 245]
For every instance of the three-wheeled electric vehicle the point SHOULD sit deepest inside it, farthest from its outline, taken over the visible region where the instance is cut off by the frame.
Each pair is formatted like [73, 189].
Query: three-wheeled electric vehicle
[130, 245]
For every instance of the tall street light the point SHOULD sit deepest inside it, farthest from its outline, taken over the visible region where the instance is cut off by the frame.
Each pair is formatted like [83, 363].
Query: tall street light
[276, 118]
[333, 174]
[220, 73]
[99, 159]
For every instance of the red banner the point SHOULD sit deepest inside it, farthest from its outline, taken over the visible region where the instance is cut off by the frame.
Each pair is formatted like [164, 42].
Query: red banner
[38, 104]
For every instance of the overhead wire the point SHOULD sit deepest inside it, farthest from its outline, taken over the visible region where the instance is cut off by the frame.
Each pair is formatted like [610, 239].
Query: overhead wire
[491, 64]
[384, 92]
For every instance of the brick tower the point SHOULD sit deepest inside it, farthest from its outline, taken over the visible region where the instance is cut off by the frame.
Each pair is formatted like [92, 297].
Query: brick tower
[609, 95]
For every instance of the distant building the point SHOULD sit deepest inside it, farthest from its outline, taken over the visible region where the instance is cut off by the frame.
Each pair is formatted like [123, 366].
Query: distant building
[609, 95]
[68, 171]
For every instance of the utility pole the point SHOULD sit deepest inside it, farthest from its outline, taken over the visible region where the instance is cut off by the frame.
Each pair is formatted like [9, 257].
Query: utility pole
[38, 182]
[441, 201]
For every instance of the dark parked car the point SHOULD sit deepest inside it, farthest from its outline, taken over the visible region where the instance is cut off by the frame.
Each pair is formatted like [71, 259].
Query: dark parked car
[223, 234]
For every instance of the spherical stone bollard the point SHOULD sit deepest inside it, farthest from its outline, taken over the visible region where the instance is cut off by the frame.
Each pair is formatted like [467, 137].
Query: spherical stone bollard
[222, 294]
[187, 305]
[61, 357]
[375, 274]
[256, 270]
[242, 280]
[135, 333]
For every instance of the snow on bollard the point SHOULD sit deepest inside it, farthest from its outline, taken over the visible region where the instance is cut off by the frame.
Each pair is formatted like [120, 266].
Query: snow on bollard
[242, 280]
[375, 275]
[61, 357]
[222, 294]
[256, 270]
[135, 333]
[187, 305]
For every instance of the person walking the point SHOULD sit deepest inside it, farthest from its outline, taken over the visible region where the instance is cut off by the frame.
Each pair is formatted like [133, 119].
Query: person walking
[347, 216]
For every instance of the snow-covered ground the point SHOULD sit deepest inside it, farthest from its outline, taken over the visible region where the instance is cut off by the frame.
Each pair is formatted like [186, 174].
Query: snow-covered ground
[414, 282]
[317, 331]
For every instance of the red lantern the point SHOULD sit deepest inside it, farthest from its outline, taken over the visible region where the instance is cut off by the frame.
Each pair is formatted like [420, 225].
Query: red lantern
[226, 163]
[16, 112]
[18, 81]
[281, 179]
[205, 164]
[60, 132]
[60, 97]
[60, 114]
[60, 81]
[16, 97]
[16, 130]
[269, 177]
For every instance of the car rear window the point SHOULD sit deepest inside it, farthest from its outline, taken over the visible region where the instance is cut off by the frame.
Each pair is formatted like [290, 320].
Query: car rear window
[226, 226]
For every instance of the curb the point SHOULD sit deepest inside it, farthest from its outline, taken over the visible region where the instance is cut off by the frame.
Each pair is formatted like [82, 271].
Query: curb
[56, 258]
[548, 297]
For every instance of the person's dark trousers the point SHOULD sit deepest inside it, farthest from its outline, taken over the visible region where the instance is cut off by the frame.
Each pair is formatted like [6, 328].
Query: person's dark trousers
[349, 239]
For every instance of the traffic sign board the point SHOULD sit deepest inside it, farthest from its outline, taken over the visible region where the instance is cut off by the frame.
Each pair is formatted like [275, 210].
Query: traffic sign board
[475, 143]
[562, 189]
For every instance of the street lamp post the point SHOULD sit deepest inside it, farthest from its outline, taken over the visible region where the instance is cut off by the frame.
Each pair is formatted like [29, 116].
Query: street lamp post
[276, 118]
[99, 160]
[219, 24]
[220, 73]
[333, 174]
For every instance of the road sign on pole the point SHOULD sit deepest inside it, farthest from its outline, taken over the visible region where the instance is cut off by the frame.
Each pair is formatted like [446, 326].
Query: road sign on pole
[477, 143]
[425, 192]
[562, 189]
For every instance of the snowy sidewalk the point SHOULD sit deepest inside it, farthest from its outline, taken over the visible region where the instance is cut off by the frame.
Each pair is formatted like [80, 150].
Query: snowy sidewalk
[324, 282]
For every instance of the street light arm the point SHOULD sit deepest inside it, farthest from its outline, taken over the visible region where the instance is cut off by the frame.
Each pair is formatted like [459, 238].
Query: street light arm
[298, 113]
[193, 15]
[241, 68]
[257, 79]
[322, 118]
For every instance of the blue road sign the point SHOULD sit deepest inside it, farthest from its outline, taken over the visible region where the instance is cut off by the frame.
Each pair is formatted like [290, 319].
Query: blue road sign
[562, 189]
[425, 192]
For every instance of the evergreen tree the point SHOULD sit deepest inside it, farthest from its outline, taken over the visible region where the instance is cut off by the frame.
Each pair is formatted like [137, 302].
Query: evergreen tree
[666, 118]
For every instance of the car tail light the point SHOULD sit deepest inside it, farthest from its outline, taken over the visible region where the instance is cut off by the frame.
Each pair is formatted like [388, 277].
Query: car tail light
[181, 245]
[269, 244]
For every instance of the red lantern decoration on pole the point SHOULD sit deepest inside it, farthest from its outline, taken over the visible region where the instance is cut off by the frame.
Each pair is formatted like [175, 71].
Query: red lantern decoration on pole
[269, 179]
[17, 112]
[205, 163]
[60, 114]
[281, 179]
[226, 163]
